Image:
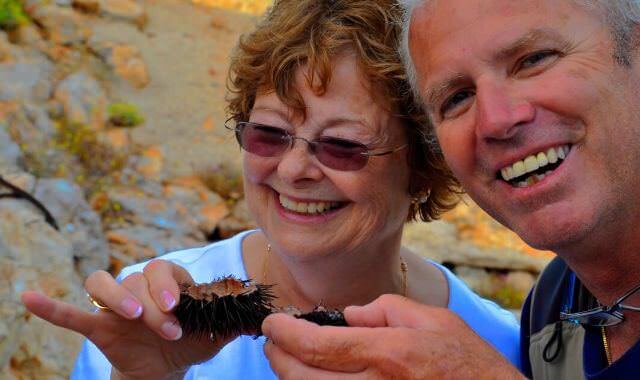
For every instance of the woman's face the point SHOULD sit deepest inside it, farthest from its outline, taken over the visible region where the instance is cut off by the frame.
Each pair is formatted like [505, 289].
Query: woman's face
[336, 212]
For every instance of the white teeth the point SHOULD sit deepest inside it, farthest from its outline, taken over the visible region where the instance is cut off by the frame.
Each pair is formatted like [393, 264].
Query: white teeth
[306, 208]
[531, 164]
[542, 159]
[519, 169]
[534, 162]
[552, 156]
[561, 154]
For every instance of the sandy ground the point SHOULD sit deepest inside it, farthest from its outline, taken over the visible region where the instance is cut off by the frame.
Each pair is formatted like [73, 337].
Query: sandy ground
[186, 48]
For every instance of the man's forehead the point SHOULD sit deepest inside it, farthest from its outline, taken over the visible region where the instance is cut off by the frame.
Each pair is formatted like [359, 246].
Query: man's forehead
[444, 34]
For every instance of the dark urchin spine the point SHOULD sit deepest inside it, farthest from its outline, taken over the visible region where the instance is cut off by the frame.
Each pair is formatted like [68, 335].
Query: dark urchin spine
[223, 308]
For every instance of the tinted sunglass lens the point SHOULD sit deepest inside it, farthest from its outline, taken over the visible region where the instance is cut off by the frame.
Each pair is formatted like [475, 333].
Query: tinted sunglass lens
[341, 154]
[264, 141]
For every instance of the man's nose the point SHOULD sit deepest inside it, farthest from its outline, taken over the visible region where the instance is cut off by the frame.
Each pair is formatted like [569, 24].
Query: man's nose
[297, 164]
[500, 111]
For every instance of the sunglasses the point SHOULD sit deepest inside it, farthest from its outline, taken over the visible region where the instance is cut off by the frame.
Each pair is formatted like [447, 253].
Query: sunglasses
[332, 152]
[603, 316]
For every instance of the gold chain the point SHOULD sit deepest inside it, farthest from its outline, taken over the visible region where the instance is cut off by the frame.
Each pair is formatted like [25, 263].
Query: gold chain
[404, 269]
[605, 342]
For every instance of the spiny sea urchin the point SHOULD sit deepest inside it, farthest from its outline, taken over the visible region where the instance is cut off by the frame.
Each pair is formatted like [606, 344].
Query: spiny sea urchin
[320, 316]
[223, 308]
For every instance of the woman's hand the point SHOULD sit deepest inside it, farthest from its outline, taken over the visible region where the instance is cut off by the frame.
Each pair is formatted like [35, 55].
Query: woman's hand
[139, 335]
[391, 338]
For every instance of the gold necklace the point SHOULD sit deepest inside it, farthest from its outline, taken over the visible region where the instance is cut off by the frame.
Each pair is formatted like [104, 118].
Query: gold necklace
[404, 269]
[605, 342]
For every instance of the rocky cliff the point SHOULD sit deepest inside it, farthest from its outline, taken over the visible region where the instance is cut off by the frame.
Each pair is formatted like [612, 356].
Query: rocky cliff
[112, 151]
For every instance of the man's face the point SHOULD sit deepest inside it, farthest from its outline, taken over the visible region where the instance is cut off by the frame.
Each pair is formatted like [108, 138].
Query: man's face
[533, 114]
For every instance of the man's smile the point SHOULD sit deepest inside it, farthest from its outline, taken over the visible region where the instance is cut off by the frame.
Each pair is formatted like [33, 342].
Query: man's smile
[533, 168]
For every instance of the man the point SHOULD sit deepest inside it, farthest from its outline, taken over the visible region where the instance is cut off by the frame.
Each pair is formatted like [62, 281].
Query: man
[535, 106]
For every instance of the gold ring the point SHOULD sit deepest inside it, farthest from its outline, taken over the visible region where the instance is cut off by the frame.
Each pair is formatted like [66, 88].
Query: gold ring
[97, 303]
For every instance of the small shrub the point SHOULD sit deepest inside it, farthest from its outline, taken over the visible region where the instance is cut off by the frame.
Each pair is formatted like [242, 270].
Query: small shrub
[125, 115]
[98, 162]
[12, 14]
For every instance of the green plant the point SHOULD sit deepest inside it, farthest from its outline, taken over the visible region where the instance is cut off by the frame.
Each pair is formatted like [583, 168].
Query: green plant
[125, 115]
[12, 14]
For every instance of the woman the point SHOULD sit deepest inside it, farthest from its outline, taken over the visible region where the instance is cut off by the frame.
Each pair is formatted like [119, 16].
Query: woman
[335, 162]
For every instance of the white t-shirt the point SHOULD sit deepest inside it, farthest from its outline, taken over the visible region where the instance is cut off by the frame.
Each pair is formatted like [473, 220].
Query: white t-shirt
[243, 358]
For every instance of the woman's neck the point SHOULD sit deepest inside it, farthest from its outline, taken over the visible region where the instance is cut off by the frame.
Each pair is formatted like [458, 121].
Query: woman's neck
[336, 281]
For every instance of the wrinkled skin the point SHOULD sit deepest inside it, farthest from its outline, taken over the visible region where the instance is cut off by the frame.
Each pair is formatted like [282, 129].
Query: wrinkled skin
[391, 338]
[136, 345]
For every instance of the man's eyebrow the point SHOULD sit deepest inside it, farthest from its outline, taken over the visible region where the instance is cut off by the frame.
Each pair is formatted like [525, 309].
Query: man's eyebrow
[528, 39]
[439, 90]
[433, 95]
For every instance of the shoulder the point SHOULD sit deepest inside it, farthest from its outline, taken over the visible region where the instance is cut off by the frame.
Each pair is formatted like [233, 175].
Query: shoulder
[466, 303]
[204, 263]
[497, 326]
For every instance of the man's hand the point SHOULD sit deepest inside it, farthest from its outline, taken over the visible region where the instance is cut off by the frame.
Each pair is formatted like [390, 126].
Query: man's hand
[391, 338]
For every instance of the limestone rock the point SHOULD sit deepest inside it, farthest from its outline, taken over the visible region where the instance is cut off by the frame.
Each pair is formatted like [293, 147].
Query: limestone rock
[25, 77]
[139, 242]
[28, 35]
[9, 151]
[125, 10]
[125, 61]
[78, 222]
[151, 163]
[83, 100]
[155, 219]
[86, 6]
[39, 117]
[62, 25]
[117, 138]
[238, 220]
[5, 47]
[33, 256]
[440, 241]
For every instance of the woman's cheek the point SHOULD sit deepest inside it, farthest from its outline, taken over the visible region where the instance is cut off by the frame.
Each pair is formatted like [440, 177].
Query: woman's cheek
[256, 169]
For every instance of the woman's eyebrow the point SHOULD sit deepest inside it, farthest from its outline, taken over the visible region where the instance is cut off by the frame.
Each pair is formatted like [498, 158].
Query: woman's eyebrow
[262, 109]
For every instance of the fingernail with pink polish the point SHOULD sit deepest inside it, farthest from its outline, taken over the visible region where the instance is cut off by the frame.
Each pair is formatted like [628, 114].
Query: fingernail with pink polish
[172, 330]
[131, 307]
[168, 300]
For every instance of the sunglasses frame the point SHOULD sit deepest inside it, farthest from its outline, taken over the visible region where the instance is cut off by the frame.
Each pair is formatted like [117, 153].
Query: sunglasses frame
[614, 315]
[240, 125]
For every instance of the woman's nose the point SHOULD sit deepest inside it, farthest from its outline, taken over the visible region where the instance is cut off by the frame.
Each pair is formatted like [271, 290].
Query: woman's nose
[297, 164]
[500, 112]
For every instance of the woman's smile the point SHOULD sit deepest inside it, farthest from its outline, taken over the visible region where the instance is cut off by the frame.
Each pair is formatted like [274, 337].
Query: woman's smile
[307, 210]
[308, 207]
